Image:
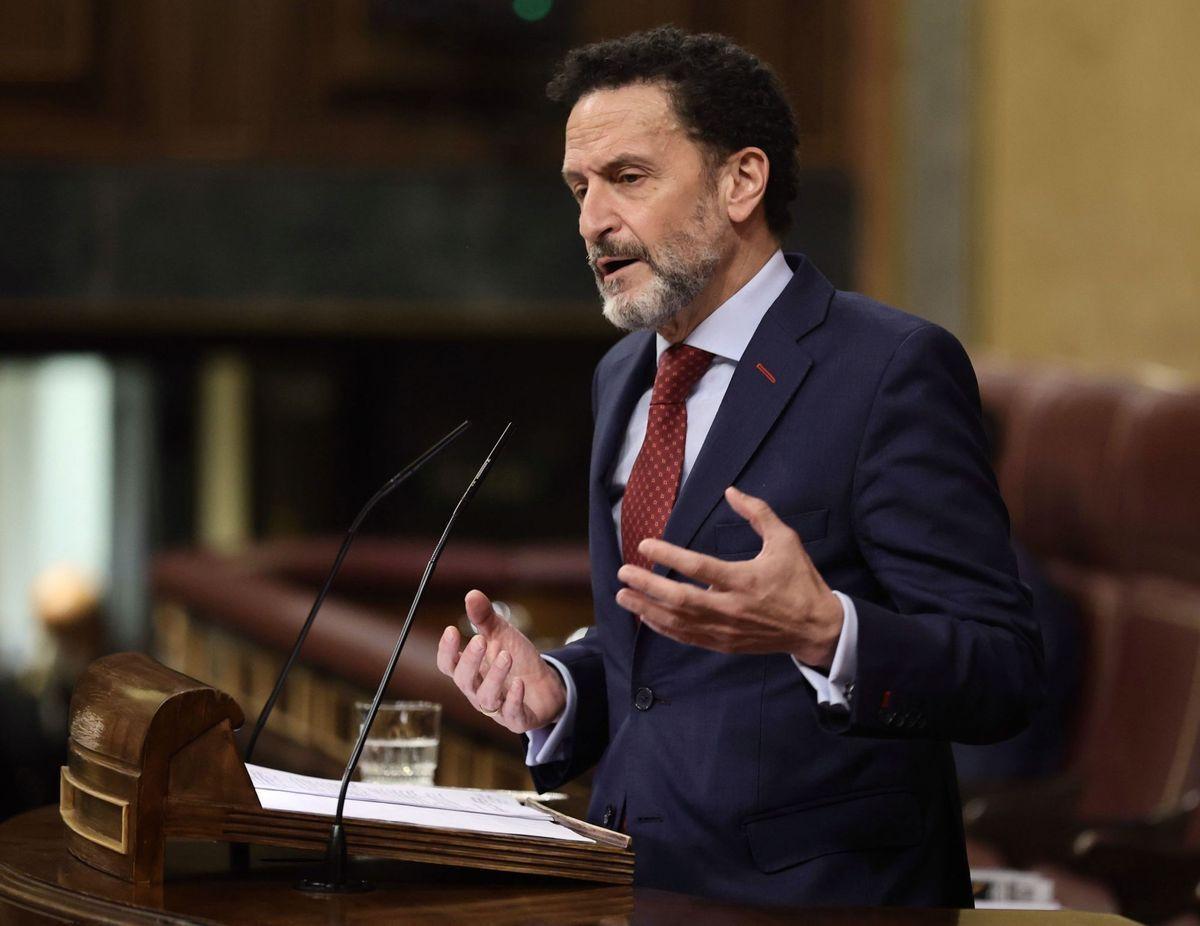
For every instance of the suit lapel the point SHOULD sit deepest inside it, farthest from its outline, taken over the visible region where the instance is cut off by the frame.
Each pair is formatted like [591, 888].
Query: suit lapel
[631, 376]
[750, 408]
[769, 373]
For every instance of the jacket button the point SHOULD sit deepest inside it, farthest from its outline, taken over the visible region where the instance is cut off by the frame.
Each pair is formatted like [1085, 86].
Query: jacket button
[643, 699]
[610, 814]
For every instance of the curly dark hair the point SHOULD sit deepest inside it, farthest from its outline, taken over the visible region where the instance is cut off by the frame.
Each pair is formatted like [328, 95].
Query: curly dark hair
[726, 97]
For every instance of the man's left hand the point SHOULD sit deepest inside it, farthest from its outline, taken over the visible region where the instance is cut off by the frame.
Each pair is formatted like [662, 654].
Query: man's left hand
[774, 603]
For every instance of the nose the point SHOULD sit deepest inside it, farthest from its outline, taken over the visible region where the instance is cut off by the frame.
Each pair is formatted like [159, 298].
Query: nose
[597, 217]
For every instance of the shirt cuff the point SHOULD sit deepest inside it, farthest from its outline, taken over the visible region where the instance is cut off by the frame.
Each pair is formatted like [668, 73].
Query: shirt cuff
[834, 691]
[548, 743]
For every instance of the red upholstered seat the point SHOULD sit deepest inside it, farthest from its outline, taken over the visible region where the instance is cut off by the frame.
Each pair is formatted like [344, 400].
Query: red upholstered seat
[1103, 484]
[1158, 505]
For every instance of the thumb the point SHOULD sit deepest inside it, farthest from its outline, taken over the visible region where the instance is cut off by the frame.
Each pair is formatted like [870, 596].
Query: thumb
[753, 509]
[480, 613]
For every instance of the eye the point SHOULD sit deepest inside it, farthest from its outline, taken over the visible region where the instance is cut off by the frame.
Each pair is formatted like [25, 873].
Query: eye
[578, 193]
[629, 177]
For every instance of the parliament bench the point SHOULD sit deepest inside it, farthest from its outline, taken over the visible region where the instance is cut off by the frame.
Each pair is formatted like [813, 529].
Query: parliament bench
[230, 620]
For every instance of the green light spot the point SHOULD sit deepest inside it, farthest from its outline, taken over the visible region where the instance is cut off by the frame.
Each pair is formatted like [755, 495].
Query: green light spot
[532, 10]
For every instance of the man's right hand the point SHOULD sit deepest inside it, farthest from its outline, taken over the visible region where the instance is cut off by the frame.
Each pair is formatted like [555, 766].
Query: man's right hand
[500, 671]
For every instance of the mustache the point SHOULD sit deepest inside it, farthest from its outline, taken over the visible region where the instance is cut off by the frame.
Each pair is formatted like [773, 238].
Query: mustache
[624, 251]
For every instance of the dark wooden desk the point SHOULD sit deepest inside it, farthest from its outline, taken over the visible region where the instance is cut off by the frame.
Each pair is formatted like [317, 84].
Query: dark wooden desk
[41, 883]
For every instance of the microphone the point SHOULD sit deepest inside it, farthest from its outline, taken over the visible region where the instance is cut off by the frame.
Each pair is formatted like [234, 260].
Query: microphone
[384, 491]
[336, 854]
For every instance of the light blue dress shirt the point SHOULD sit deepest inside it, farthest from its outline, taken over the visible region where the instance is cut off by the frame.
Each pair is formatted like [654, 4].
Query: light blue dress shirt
[724, 334]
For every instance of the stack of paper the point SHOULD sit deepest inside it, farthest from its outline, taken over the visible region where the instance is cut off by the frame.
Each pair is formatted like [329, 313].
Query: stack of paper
[468, 810]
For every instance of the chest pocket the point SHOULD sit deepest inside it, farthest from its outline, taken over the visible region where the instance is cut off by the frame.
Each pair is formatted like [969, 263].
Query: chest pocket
[737, 539]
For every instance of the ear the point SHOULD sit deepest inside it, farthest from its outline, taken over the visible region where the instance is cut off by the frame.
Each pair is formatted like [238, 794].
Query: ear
[746, 173]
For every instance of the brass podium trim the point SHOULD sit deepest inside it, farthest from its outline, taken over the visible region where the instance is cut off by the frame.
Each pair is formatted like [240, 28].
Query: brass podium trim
[66, 807]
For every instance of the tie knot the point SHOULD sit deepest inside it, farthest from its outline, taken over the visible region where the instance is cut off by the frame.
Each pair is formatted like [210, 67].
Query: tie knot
[679, 370]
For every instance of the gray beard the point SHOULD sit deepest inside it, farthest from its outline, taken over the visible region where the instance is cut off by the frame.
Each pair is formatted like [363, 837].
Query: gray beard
[680, 272]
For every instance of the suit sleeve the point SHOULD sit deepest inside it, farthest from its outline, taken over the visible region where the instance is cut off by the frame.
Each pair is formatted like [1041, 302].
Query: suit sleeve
[585, 742]
[955, 652]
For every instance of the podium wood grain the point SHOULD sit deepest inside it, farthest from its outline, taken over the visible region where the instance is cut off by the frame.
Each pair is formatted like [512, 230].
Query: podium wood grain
[41, 882]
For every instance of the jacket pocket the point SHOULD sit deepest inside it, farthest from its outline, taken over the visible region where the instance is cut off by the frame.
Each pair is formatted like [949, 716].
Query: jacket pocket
[738, 538]
[782, 838]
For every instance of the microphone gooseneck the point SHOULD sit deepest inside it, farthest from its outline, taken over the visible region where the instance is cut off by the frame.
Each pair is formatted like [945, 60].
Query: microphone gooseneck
[336, 855]
[384, 490]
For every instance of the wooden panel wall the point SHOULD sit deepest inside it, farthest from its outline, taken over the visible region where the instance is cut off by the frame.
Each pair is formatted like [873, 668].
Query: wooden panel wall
[805, 41]
[358, 81]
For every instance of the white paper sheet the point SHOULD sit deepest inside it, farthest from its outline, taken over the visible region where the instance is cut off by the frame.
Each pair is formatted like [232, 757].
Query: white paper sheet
[448, 808]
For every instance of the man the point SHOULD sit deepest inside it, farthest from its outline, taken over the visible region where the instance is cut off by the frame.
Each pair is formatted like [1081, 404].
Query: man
[763, 737]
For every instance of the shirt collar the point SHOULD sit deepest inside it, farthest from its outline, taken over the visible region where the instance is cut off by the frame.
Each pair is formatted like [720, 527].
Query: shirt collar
[729, 329]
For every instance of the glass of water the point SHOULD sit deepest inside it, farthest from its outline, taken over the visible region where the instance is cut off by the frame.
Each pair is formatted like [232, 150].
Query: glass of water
[402, 745]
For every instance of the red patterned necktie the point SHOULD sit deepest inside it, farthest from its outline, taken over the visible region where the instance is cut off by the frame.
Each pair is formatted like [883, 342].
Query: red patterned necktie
[654, 481]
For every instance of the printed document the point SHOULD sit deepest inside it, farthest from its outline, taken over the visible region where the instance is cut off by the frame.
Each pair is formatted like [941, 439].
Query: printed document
[445, 808]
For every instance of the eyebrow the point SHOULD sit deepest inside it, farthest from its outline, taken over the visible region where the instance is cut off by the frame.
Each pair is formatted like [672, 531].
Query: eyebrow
[616, 161]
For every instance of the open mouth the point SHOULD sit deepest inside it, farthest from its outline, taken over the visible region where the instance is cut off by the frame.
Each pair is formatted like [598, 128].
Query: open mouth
[612, 265]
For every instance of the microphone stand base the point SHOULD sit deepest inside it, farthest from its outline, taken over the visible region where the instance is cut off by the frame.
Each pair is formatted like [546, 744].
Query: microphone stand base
[336, 863]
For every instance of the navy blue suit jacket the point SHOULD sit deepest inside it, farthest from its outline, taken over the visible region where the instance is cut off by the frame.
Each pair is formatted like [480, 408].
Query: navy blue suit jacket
[730, 778]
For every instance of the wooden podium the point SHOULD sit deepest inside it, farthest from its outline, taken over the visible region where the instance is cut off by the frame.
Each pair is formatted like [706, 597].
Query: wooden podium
[152, 757]
[42, 884]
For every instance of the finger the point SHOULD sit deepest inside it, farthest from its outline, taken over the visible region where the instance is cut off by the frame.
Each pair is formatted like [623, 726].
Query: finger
[466, 673]
[447, 654]
[695, 623]
[490, 694]
[681, 595]
[643, 605]
[764, 521]
[661, 618]
[513, 713]
[706, 569]
[681, 633]
[479, 611]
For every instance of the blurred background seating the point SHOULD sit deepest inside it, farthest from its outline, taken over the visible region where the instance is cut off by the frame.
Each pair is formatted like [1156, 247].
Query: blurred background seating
[233, 619]
[1100, 477]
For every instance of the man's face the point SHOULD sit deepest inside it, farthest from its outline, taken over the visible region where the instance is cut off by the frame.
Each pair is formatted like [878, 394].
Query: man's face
[648, 209]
